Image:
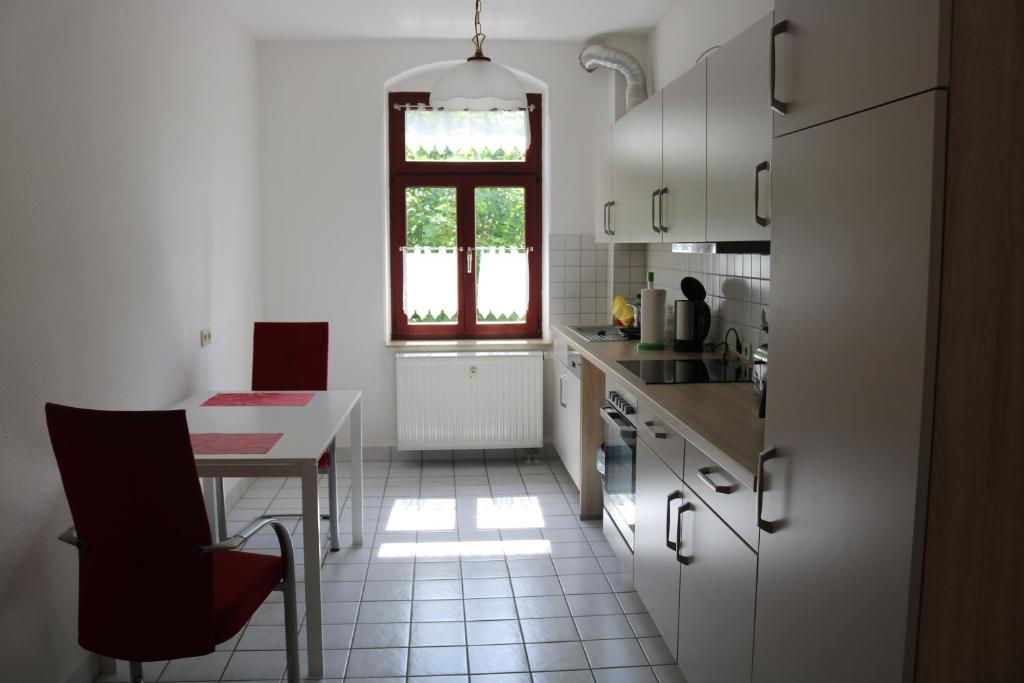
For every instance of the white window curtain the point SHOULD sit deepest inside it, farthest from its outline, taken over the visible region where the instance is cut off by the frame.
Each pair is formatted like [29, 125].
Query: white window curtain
[503, 281]
[430, 284]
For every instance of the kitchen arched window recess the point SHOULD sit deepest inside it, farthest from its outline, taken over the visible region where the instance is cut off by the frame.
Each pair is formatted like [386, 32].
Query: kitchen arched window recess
[465, 221]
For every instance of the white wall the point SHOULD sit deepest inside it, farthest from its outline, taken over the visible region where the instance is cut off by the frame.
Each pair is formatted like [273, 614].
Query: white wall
[692, 26]
[324, 184]
[128, 212]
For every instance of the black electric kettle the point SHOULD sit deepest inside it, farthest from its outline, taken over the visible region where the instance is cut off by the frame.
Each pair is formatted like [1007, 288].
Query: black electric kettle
[693, 316]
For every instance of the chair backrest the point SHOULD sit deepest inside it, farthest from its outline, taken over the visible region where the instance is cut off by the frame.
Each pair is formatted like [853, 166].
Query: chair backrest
[130, 480]
[289, 357]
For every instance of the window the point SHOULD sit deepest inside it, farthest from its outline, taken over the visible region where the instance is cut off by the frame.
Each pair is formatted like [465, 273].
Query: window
[465, 248]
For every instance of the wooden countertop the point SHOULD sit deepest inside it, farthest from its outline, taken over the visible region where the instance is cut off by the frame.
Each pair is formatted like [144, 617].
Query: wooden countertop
[719, 419]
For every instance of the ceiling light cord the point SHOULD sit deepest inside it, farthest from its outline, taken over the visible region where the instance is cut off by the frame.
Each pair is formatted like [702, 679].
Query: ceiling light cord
[479, 36]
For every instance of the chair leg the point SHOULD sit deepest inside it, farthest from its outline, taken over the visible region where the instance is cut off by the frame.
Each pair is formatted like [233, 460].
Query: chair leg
[332, 488]
[291, 618]
[135, 672]
[222, 518]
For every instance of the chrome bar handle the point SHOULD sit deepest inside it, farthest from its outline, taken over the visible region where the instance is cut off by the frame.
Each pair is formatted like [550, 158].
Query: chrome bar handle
[561, 392]
[778, 106]
[654, 225]
[763, 221]
[675, 495]
[654, 432]
[759, 487]
[604, 217]
[682, 559]
[661, 209]
[704, 474]
[611, 230]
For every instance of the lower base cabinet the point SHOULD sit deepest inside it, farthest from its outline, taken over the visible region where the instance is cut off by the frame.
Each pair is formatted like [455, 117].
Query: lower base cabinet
[716, 598]
[655, 568]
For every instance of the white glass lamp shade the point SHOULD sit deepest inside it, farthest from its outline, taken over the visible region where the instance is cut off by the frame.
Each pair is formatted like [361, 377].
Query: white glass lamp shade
[478, 85]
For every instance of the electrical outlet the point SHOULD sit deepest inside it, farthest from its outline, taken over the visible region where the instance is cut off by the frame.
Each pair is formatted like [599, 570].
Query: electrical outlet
[205, 337]
[748, 352]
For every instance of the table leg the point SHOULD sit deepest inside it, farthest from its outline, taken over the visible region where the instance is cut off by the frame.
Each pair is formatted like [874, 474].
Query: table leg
[222, 511]
[356, 447]
[311, 552]
[210, 497]
[332, 488]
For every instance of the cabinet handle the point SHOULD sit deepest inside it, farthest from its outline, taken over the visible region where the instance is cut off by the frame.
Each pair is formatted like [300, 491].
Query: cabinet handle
[605, 216]
[561, 391]
[682, 559]
[611, 230]
[763, 221]
[661, 209]
[704, 474]
[654, 225]
[654, 432]
[675, 495]
[778, 106]
[759, 487]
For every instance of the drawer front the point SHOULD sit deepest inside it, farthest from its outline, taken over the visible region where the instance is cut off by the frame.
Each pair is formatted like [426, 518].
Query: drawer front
[731, 500]
[662, 439]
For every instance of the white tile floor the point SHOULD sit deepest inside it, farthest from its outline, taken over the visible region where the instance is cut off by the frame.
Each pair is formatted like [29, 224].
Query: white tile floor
[475, 570]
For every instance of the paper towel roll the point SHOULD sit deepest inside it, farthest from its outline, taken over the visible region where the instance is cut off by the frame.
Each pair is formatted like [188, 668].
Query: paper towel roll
[652, 316]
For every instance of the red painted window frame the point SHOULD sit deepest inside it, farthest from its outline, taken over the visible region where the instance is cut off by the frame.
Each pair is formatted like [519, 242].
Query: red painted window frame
[464, 176]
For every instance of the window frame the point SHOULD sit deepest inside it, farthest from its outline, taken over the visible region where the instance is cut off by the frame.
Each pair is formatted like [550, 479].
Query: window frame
[465, 177]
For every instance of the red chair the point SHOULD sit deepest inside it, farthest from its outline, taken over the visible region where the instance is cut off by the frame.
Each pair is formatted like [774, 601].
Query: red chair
[152, 586]
[291, 357]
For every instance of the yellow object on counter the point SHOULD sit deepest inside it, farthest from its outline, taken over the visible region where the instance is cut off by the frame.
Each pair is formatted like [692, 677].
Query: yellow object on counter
[622, 311]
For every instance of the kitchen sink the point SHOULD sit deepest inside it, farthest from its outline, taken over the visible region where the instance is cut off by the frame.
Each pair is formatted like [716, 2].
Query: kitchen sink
[599, 334]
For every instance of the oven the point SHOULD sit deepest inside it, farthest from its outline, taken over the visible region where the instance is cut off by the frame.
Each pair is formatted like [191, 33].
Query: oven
[616, 463]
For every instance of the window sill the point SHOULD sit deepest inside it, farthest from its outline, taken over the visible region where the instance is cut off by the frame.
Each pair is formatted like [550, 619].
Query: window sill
[468, 344]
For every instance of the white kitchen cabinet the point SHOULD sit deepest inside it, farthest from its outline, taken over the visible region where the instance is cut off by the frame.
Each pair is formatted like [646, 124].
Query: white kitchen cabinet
[834, 58]
[739, 138]
[655, 568]
[636, 172]
[858, 217]
[716, 598]
[682, 203]
[567, 427]
[604, 202]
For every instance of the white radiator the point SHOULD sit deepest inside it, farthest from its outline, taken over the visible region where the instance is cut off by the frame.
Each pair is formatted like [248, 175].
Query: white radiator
[470, 399]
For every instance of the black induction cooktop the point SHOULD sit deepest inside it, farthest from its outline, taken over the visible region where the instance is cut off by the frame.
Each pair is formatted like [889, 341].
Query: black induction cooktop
[689, 371]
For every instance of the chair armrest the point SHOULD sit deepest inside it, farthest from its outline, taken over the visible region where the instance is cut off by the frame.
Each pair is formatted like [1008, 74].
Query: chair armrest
[70, 536]
[235, 542]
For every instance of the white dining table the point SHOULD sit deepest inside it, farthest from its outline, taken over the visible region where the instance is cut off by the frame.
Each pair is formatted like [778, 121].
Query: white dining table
[307, 431]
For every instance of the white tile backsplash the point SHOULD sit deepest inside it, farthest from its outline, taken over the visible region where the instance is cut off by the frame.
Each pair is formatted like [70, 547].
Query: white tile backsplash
[738, 287]
[578, 280]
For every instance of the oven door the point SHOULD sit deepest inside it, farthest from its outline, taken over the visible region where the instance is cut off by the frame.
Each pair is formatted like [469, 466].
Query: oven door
[616, 462]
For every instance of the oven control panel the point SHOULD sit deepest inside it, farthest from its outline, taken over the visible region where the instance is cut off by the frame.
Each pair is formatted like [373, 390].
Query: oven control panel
[619, 396]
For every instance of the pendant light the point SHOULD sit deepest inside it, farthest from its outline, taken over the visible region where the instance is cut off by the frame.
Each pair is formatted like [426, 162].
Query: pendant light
[478, 84]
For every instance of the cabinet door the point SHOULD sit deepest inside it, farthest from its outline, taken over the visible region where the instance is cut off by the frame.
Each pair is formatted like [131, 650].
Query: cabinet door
[716, 598]
[655, 568]
[569, 424]
[740, 137]
[636, 174]
[684, 157]
[603, 187]
[854, 282]
[837, 57]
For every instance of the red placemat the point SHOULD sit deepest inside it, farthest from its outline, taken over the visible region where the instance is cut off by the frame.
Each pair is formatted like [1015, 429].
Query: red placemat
[216, 443]
[259, 398]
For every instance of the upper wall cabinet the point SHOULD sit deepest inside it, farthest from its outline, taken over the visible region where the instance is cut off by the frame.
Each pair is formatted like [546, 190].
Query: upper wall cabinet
[836, 58]
[682, 201]
[739, 138]
[636, 172]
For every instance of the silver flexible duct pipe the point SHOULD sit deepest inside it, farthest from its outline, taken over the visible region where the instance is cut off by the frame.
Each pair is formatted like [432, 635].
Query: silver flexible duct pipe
[623, 62]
